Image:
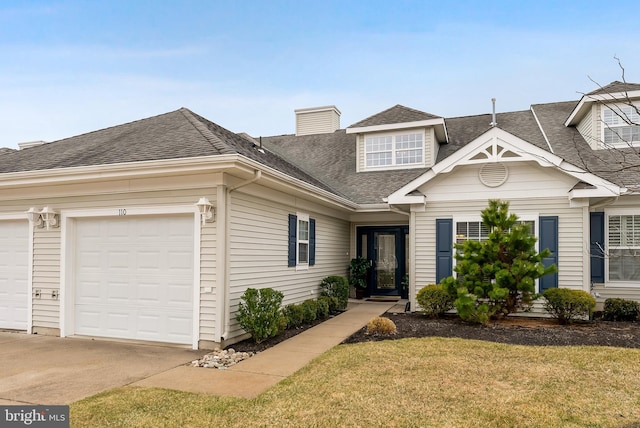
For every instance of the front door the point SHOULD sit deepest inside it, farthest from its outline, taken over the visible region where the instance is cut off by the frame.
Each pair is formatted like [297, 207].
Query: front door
[386, 249]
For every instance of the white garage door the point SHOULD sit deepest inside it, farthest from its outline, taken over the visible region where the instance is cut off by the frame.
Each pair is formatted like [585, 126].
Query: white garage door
[134, 278]
[14, 259]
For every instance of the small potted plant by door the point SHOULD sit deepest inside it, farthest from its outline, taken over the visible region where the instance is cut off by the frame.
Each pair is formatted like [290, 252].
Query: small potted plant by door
[358, 270]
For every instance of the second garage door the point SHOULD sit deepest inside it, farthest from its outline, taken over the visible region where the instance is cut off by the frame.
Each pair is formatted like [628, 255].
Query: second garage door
[14, 245]
[134, 278]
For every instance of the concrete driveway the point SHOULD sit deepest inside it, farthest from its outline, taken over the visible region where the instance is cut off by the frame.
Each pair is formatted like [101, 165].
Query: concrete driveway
[37, 369]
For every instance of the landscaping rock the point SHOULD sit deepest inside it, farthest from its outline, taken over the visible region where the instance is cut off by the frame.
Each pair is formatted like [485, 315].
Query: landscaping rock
[221, 359]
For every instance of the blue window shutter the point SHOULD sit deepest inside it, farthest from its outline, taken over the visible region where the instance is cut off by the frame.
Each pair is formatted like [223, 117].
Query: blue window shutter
[548, 231]
[312, 241]
[293, 237]
[444, 248]
[596, 247]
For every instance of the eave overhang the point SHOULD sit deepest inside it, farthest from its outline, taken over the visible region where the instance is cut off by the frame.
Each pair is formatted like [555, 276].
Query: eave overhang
[234, 164]
[437, 123]
[587, 101]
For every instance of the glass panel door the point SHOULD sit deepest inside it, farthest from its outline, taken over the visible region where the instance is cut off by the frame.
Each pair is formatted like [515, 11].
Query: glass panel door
[386, 263]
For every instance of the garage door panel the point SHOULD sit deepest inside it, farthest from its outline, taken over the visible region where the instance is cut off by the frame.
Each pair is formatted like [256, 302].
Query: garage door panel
[143, 274]
[14, 260]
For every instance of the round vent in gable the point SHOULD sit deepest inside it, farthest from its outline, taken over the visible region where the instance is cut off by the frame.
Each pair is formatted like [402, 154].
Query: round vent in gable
[493, 174]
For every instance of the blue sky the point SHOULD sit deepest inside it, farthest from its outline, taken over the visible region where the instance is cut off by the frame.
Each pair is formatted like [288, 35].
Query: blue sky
[70, 67]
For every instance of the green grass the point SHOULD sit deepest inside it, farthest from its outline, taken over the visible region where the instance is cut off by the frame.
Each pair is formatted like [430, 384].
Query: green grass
[412, 382]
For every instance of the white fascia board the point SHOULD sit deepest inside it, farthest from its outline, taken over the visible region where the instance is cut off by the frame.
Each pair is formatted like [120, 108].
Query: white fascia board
[394, 126]
[397, 199]
[587, 100]
[517, 145]
[163, 167]
[117, 170]
[404, 191]
[598, 192]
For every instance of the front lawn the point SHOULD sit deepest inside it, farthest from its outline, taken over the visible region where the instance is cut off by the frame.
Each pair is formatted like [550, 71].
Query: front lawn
[409, 382]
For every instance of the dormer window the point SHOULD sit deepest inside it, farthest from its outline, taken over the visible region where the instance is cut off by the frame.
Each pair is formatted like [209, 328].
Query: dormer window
[621, 125]
[399, 149]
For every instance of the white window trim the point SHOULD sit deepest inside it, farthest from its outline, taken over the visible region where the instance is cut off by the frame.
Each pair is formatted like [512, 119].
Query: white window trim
[607, 281]
[394, 165]
[302, 217]
[521, 217]
[604, 126]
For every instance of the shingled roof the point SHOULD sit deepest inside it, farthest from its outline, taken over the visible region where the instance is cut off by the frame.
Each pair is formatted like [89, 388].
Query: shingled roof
[395, 114]
[615, 87]
[173, 135]
[326, 161]
[333, 157]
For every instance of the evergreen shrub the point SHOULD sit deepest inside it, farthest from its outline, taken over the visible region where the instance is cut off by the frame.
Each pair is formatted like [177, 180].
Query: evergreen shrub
[567, 305]
[434, 300]
[621, 310]
[259, 313]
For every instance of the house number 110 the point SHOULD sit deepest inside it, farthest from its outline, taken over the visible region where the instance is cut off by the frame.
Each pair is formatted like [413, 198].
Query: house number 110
[122, 211]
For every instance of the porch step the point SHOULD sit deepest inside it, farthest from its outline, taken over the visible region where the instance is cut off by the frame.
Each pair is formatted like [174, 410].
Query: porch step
[383, 299]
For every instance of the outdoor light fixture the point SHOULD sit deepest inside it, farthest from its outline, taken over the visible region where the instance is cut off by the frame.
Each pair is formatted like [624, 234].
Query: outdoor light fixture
[49, 217]
[205, 208]
[46, 217]
[34, 217]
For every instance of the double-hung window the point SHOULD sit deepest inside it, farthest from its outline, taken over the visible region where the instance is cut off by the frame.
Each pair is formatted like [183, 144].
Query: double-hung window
[302, 241]
[394, 150]
[620, 125]
[624, 247]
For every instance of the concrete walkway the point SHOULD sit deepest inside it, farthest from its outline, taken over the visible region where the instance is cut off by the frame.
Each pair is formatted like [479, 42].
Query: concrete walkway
[251, 377]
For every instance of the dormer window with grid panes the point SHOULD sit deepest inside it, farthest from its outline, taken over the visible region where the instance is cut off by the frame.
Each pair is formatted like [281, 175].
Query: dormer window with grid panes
[620, 125]
[394, 150]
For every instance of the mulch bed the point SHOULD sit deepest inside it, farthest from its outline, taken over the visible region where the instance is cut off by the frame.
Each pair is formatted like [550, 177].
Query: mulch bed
[518, 331]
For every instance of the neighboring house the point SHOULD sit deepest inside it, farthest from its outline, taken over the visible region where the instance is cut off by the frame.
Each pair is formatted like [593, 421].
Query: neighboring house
[108, 234]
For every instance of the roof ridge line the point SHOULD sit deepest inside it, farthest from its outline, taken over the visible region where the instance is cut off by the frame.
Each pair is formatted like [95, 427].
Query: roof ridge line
[206, 133]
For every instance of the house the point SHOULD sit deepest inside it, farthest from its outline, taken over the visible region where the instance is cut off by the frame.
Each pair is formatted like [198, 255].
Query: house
[153, 229]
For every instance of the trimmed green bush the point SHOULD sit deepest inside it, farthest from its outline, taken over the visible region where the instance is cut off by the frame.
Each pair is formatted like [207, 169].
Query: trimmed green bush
[309, 311]
[259, 313]
[294, 314]
[621, 310]
[336, 287]
[322, 307]
[434, 300]
[567, 305]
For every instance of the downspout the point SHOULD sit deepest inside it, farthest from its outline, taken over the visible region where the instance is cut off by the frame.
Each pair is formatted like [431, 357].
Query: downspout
[226, 315]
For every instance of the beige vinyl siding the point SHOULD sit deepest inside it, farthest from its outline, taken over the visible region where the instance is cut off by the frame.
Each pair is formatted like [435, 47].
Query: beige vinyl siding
[317, 122]
[586, 128]
[46, 278]
[430, 149]
[258, 248]
[208, 280]
[523, 178]
[362, 166]
[570, 238]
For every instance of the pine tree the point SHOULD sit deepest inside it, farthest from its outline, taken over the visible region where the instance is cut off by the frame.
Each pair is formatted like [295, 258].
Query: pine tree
[497, 276]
